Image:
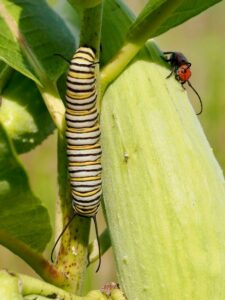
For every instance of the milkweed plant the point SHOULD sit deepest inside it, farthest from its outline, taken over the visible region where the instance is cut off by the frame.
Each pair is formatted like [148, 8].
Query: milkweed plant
[163, 190]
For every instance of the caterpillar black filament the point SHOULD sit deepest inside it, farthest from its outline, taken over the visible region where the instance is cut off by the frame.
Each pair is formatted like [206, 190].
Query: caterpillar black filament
[83, 135]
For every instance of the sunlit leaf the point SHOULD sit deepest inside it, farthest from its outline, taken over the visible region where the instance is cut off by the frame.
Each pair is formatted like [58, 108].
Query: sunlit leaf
[31, 33]
[154, 10]
[116, 20]
[24, 114]
[185, 11]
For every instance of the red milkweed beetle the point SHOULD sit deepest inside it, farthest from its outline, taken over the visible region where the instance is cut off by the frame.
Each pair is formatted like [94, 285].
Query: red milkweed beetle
[181, 69]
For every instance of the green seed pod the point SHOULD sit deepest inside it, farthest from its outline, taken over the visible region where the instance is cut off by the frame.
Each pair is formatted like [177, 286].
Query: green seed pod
[164, 192]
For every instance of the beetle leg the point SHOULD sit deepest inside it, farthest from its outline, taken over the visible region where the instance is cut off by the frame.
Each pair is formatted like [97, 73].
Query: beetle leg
[182, 84]
[171, 73]
[177, 77]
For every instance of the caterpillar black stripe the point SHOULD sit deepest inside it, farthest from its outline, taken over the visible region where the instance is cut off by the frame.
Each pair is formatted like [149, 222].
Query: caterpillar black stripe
[83, 135]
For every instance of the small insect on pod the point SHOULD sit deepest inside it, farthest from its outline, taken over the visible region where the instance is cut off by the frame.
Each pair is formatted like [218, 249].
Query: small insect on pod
[181, 69]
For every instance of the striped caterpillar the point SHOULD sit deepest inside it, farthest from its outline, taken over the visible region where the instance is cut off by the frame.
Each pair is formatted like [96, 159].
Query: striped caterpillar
[83, 135]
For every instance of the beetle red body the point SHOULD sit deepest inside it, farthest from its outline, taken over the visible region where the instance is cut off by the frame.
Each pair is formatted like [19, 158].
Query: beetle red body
[183, 73]
[181, 69]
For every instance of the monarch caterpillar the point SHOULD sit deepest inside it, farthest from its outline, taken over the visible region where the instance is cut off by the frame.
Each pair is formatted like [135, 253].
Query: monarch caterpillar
[181, 69]
[83, 135]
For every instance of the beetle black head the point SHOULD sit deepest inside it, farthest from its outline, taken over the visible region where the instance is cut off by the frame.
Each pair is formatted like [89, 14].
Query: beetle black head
[177, 59]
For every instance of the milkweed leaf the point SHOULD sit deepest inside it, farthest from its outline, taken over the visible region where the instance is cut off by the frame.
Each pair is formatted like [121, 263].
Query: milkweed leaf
[22, 215]
[31, 33]
[24, 114]
[143, 27]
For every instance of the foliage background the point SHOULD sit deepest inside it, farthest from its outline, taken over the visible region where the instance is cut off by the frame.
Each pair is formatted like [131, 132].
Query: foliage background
[202, 41]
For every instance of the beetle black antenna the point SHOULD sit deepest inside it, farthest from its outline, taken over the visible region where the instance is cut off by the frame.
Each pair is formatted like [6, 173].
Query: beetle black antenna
[61, 234]
[200, 100]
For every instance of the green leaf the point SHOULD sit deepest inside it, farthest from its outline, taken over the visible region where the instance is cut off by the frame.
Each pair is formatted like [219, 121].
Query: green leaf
[84, 4]
[148, 25]
[5, 74]
[70, 16]
[31, 33]
[187, 10]
[116, 20]
[24, 114]
[22, 215]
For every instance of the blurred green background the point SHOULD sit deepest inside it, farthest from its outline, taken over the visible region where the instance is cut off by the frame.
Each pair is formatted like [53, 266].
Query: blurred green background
[202, 41]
